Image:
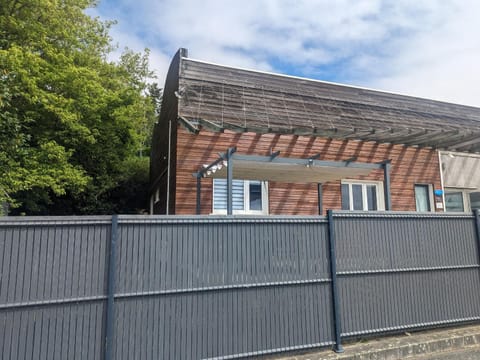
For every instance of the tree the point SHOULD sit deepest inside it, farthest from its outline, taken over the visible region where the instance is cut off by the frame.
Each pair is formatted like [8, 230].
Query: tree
[70, 119]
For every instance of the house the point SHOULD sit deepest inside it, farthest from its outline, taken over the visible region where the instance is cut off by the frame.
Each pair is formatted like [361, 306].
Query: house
[250, 142]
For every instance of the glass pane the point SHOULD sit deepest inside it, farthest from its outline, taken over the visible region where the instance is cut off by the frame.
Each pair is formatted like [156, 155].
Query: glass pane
[475, 200]
[255, 195]
[220, 194]
[357, 197]
[345, 197]
[422, 200]
[372, 197]
[454, 201]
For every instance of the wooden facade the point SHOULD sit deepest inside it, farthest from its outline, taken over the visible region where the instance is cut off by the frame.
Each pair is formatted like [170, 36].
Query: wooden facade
[208, 108]
[410, 166]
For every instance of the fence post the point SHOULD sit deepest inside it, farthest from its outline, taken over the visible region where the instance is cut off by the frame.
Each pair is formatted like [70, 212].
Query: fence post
[476, 214]
[111, 290]
[337, 326]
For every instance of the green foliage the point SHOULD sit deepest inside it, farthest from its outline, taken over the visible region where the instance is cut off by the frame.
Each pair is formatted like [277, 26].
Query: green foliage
[71, 122]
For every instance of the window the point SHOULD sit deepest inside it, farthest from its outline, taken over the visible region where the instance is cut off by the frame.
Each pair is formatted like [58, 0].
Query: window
[460, 200]
[423, 198]
[248, 197]
[362, 195]
[454, 202]
[474, 198]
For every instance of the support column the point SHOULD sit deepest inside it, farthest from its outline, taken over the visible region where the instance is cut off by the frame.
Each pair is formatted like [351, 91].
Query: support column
[386, 184]
[320, 198]
[199, 188]
[230, 152]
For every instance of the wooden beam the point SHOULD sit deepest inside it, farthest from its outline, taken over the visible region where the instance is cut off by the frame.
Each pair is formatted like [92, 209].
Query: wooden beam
[379, 134]
[475, 148]
[360, 134]
[304, 131]
[417, 140]
[399, 137]
[211, 125]
[255, 129]
[188, 125]
[465, 136]
[335, 133]
[314, 131]
[468, 143]
[431, 138]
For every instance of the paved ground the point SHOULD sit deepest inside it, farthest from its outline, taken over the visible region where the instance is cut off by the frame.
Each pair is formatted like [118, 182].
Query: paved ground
[464, 354]
[461, 342]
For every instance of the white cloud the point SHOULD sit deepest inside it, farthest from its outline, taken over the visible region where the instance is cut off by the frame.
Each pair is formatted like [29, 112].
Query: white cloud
[440, 62]
[427, 48]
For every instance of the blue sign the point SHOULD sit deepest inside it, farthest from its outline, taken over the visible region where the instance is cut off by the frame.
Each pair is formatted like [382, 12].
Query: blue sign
[438, 192]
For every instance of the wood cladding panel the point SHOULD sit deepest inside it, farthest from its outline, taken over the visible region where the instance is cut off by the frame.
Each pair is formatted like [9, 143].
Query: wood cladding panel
[410, 166]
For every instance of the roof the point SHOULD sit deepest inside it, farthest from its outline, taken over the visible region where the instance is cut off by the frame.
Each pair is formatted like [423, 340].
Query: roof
[218, 97]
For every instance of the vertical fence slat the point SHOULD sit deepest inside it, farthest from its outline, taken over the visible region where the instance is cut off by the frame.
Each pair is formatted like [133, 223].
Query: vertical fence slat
[110, 316]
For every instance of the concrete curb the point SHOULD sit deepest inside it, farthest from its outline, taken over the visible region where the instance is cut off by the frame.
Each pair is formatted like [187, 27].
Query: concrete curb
[400, 346]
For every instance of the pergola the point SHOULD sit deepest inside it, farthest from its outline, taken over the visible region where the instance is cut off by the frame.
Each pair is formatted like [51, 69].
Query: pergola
[231, 165]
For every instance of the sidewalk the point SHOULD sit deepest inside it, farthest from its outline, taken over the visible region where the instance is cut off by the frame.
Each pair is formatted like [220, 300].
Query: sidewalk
[407, 345]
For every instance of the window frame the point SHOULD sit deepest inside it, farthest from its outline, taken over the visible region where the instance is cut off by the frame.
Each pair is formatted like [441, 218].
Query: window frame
[467, 206]
[246, 199]
[364, 183]
[431, 199]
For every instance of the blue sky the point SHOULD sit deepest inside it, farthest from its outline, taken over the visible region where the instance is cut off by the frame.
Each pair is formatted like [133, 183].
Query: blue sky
[422, 48]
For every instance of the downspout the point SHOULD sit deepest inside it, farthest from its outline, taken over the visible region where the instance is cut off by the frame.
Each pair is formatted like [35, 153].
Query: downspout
[167, 210]
[441, 181]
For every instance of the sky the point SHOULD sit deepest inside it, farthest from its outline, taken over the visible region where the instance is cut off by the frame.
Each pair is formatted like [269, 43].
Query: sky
[422, 48]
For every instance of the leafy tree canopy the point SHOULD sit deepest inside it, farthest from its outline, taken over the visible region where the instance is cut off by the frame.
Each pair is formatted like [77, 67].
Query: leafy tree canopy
[70, 120]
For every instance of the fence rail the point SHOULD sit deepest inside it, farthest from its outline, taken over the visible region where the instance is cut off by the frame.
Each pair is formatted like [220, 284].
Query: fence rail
[180, 287]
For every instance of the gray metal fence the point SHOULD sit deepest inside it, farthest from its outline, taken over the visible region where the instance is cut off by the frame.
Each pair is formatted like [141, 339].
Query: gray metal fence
[150, 287]
[399, 271]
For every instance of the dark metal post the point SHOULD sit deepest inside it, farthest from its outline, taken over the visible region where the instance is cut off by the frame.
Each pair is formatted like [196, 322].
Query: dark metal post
[337, 326]
[320, 196]
[199, 188]
[476, 213]
[386, 185]
[111, 290]
[230, 181]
